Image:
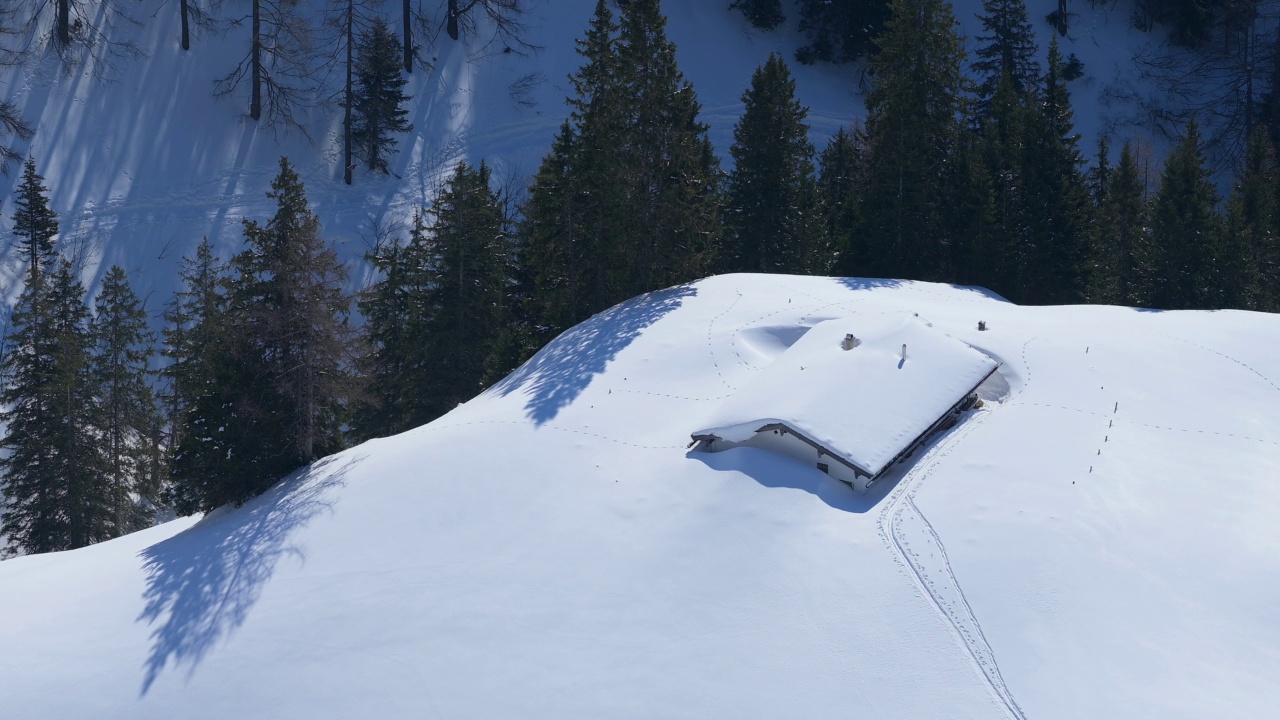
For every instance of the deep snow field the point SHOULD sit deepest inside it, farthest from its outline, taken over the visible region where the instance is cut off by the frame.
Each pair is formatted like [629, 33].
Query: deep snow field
[1099, 540]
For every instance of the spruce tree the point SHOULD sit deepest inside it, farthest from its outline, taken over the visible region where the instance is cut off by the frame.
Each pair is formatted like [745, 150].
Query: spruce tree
[840, 31]
[127, 417]
[976, 255]
[469, 326]
[1000, 262]
[1007, 52]
[398, 314]
[670, 173]
[1100, 174]
[34, 222]
[914, 112]
[1187, 229]
[843, 165]
[1119, 261]
[1057, 203]
[292, 313]
[629, 199]
[56, 492]
[202, 387]
[559, 256]
[772, 211]
[378, 101]
[592, 199]
[1253, 230]
[764, 14]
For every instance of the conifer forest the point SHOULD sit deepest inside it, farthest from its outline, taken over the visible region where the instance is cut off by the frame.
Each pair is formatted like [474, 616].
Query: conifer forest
[966, 169]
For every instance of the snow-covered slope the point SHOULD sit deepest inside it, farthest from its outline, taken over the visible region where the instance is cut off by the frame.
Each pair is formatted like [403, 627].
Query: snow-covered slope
[143, 164]
[1098, 541]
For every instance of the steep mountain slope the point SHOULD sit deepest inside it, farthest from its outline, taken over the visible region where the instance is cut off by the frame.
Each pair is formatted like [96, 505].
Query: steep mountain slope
[143, 162]
[1097, 541]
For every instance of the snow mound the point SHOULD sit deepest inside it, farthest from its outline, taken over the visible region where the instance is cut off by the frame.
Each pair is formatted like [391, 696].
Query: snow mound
[864, 388]
[551, 549]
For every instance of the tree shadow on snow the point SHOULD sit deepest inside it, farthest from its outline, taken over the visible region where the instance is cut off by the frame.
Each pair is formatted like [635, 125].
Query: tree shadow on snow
[559, 372]
[858, 284]
[774, 470]
[202, 582]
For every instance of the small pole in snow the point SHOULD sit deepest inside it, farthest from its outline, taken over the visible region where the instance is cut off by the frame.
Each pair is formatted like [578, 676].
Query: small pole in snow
[1117, 408]
[904, 351]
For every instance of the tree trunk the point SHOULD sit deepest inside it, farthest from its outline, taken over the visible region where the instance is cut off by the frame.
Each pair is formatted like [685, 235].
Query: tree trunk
[452, 25]
[64, 22]
[346, 122]
[186, 35]
[408, 38]
[255, 101]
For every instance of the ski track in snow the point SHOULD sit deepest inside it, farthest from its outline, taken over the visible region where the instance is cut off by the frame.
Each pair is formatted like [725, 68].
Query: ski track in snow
[906, 532]
[909, 535]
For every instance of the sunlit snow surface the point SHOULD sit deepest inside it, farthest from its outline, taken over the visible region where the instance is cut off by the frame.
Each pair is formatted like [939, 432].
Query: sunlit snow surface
[1098, 541]
[868, 403]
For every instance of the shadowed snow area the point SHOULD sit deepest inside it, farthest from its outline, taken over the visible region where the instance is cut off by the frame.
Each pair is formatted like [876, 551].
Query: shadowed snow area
[1098, 540]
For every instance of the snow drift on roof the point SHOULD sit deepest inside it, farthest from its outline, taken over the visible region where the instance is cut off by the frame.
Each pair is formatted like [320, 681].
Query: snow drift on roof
[865, 404]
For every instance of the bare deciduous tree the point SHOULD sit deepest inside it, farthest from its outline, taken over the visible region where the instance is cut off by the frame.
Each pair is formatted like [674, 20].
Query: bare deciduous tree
[1223, 82]
[277, 65]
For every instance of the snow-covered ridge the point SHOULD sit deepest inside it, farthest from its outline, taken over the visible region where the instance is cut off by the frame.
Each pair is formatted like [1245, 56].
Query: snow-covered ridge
[1098, 541]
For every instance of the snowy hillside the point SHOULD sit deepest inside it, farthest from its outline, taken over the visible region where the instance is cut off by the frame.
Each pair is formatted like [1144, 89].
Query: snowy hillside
[1099, 540]
[143, 164]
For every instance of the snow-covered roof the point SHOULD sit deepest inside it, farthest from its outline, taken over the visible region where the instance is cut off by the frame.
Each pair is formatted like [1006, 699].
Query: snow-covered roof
[866, 404]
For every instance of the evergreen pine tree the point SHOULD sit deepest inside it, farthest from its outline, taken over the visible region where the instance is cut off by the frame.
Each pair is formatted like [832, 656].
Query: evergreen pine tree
[591, 196]
[976, 256]
[670, 173]
[34, 222]
[1057, 203]
[772, 212]
[469, 328]
[292, 313]
[764, 14]
[1000, 260]
[628, 201]
[402, 380]
[914, 112]
[127, 418]
[1119, 261]
[1187, 229]
[843, 165]
[202, 387]
[56, 494]
[1100, 174]
[1007, 51]
[378, 101]
[840, 31]
[557, 254]
[1253, 230]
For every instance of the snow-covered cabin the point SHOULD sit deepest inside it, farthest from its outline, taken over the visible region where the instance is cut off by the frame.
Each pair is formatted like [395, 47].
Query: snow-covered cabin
[853, 396]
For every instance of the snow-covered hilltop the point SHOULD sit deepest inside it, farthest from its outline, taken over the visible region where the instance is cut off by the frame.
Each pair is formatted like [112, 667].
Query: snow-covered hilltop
[1097, 541]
